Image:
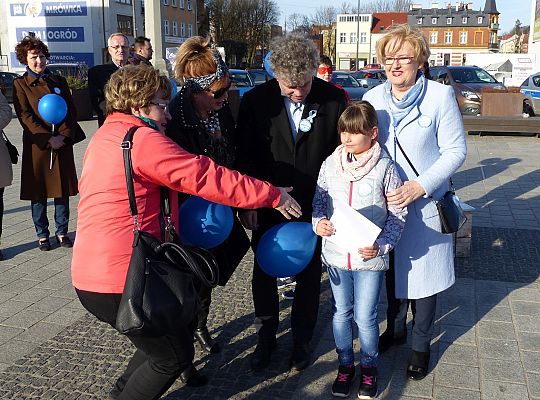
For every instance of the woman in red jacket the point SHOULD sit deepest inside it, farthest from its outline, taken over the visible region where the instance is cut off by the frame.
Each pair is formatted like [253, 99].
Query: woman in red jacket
[139, 96]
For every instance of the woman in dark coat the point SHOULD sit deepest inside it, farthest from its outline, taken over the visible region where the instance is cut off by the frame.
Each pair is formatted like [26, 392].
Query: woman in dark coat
[39, 179]
[202, 123]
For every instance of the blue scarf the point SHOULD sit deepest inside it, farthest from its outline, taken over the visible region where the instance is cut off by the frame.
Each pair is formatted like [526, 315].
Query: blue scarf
[33, 74]
[400, 108]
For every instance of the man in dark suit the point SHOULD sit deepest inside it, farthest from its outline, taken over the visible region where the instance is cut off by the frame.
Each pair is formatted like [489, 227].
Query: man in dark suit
[98, 76]
[286, 128]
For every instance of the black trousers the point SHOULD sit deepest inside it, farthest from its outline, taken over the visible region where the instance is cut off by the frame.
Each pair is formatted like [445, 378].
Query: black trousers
[157, 362]
[305, 305]
[423, 311]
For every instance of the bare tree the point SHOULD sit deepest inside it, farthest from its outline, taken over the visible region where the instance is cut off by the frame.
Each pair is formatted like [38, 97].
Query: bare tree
[325, 18]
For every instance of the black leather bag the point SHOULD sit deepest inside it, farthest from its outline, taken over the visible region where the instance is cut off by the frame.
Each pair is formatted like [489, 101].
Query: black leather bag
[450, 213]
[159, 296]
[12, 150]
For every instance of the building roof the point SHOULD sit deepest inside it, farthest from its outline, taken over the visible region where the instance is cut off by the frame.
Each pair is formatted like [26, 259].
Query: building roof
[382, 21]
[491, 7]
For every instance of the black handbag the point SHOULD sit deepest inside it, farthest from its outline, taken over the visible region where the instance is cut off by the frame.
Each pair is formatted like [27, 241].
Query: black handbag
[12, 150]
[451, 215]
[159, 296]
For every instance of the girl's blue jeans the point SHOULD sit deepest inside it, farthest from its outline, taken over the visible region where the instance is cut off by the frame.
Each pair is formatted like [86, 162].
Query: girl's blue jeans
[355, 297]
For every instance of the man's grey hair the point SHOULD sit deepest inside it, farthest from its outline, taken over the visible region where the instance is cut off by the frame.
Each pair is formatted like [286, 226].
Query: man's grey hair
[294, 59]
[116, 34]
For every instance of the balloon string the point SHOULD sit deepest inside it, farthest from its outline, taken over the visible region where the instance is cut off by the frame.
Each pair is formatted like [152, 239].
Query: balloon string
[51, 159]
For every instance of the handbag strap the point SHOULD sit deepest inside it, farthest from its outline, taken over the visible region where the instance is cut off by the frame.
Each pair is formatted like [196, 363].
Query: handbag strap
[126, 145]
[5, 137]
[412, 166]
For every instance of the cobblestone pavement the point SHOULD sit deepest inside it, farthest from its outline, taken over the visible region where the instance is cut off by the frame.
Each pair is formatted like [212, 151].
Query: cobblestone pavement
[487, 342]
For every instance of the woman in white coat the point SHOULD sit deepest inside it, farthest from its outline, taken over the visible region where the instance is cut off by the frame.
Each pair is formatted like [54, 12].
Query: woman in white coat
[423, 117]
[6, 172]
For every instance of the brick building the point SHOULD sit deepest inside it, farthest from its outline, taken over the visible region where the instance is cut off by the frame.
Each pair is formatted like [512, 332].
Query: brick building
[455, 30]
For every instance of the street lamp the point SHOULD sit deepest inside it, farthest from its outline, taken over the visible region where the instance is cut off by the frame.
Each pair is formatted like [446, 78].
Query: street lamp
[357, 32]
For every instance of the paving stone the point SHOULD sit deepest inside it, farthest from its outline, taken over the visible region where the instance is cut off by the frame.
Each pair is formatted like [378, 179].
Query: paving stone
[10, 307]
[14, 350]
[458, 354]
[7, 333]
[457, 376]
[526, 308]
[503, 314]
[492, 390]
[533, 384]
[49, 304]
[40, 332]
[24, 319]
[531, 361]
[499, 349]
[501, 370]
[496, 330]
[529, 341]
[446, 393]
[458, 334]
[525, 294]
[526, 323]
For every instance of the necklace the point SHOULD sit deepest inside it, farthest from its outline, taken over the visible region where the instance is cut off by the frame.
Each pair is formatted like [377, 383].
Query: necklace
[211, 124]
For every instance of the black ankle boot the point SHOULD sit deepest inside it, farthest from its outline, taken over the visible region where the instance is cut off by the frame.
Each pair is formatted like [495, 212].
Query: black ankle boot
[389, 339]
[192, 377]
[418, 366]
[205, 340]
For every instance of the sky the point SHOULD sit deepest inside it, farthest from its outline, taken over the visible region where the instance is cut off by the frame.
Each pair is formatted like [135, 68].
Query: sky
[510, 9]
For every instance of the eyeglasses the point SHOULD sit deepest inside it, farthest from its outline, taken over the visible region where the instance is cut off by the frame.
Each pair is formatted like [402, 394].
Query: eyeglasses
[217, 94]
[163, 106]
[118, 47]
[400, 60]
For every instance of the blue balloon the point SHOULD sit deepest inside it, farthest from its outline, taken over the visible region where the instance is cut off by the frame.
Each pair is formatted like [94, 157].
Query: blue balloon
[266, 63]
[52, 108]
[286, 249]
[174, 87]
[203, 223]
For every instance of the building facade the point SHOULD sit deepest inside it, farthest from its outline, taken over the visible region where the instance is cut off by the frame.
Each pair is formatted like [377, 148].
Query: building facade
[353, 41]
[381, 22]
[76, 31]
[456, 30]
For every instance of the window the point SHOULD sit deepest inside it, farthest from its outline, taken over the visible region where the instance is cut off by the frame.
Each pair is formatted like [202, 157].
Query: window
[464, 20]
[420, 20]
[165, 2]
[182, 29]
[448, 37]
[449, 21]
[175, 28]
[189, 4]
[190, 30]
[433, 37]
[364, 18]
[363, 37]
[434, 20]
[462, 37]
[480, 20]
[165, 27]
[342, 37]
[124, 24]
[123, 1]
[353, 37]
[182, 4]
[173, 3]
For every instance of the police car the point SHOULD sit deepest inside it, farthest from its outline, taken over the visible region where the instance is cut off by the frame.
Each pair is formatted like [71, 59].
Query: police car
[531, 89]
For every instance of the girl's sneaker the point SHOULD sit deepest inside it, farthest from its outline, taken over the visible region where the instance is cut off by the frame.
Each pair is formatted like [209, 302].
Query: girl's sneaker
[368, 384]
[343, 382]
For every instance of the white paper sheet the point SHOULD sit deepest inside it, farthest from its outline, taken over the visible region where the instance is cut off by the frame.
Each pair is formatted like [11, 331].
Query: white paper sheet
[353, 230]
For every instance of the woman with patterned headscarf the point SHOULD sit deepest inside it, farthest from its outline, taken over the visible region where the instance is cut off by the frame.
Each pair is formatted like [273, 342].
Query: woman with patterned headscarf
[202, 123]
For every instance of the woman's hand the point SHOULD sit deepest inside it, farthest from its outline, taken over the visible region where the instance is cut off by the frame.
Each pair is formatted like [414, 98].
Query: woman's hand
[325, 228]
[406, 194]
[369, 252]
[288, 206]
[56, 142]
[248, 218]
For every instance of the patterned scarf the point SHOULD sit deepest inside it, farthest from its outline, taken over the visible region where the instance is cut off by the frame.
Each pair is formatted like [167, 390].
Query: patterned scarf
[352, 168]
[400, 108]
[200, 83]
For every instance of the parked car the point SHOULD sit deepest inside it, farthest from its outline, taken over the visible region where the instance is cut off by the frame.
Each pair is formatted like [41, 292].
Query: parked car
[6, 84]
[259, 76]
[369, 78]
[241, 79]
[349, 84]
[372, 66]
[468, 83]
[531, 90]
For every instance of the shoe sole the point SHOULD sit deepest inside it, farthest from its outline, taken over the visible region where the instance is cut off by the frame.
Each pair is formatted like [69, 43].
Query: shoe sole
[362, 397]
[341, 395]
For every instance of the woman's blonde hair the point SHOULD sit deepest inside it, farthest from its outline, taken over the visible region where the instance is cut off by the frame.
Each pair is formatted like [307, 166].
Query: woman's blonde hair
[134, 86]
[359, 117]
[194, 58]
[403, 33]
